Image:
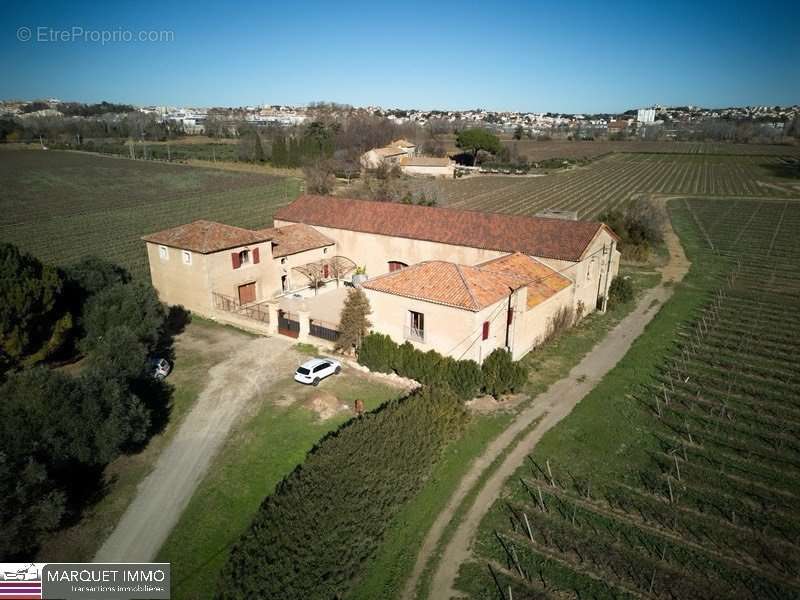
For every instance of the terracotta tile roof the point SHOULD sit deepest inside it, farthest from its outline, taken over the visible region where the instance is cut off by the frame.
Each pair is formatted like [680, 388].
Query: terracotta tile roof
[424, 161]
[534, 236]
[292, 239]
[205, 237]
[472, 288]
[543, 282]
[389, 151]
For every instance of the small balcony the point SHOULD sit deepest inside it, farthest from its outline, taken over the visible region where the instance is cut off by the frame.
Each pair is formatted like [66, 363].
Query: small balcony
[414, 334]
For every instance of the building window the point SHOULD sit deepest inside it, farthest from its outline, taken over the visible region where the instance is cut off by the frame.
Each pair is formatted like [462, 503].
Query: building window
[324, 250]
[283, 260]
[396, 265]
[485, 335]
[163, 253]
[187, 257]
[244, 257]
[416, 326]
[589, 269]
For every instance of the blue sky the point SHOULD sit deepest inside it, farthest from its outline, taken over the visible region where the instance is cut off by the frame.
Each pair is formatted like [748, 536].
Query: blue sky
[535, 55]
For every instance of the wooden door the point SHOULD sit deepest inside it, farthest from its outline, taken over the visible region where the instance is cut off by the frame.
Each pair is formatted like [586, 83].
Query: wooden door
[247, 293]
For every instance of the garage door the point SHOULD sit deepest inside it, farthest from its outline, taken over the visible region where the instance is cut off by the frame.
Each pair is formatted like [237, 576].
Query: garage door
[247, 293]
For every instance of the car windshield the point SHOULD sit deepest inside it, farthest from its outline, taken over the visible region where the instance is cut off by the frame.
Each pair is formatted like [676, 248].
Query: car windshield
[302, 370]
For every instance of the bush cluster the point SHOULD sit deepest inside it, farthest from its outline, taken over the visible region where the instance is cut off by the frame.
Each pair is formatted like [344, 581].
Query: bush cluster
[312, 537]
[498, 375]
[640, 226]
[620, 291]
[58, 431]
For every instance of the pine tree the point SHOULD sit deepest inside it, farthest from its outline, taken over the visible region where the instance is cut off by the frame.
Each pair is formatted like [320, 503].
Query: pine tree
[353, 323]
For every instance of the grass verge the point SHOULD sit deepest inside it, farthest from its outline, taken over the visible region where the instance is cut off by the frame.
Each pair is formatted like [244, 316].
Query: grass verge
[604, 438]
[394, 562]
[262, 450]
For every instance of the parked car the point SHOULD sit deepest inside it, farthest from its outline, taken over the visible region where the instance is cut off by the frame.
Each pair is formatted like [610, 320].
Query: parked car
[159, 368]
[315, 370]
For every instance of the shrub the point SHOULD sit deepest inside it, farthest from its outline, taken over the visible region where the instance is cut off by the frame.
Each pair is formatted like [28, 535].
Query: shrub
[314, 536]
[620, 291]
[379, 353]
[376, 352]
[464, 377]
[501, 374]
[639, 225]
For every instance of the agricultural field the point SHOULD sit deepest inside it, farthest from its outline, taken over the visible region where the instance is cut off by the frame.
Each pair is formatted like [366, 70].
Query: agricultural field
[62, 206]
[535, 150]
[679, 479]
[614, 179]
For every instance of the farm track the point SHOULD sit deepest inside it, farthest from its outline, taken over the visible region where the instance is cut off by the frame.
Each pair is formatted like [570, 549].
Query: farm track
[551, 406]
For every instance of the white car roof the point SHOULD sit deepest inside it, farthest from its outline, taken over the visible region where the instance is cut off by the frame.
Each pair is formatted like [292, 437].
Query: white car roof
[310, 364]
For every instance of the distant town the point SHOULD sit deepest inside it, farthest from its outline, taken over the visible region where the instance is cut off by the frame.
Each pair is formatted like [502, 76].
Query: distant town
[668, 120]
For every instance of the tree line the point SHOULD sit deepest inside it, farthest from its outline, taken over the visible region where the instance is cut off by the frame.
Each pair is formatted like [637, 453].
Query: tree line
[58, 430]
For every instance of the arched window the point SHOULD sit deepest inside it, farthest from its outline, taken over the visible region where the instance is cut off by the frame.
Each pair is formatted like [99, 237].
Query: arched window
[396, 265]
[244, 257]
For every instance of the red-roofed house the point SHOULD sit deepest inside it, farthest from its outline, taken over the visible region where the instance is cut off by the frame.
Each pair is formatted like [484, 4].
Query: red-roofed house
[459, 282]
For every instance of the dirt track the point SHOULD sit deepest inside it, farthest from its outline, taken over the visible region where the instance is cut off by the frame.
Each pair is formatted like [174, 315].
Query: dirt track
[165, 492]
[551, 406]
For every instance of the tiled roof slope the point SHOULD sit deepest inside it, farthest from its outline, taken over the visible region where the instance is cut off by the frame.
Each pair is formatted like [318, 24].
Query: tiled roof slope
[292, 239]
[543, 282]
[472, 288]
[534, 236]
[205, 237]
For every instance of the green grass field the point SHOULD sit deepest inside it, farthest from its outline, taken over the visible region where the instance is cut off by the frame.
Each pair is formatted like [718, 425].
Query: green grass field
[62, 206]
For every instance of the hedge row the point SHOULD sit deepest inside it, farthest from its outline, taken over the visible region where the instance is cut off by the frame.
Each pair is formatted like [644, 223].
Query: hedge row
[313, 536]
[498, 375]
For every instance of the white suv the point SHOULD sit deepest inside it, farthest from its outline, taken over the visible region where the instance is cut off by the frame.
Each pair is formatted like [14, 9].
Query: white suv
[314, 370]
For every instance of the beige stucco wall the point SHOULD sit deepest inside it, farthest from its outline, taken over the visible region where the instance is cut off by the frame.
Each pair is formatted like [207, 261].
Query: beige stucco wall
[450, 331]
[458, 333]
[375, 251]
[593, 274]
[431, 171]
[285, 265]
[530, 325]
[192, 285]
[178, 283]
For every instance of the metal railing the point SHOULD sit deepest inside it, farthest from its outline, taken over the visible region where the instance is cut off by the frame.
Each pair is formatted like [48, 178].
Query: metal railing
[415, 334]
[256, 311]
[323, 330]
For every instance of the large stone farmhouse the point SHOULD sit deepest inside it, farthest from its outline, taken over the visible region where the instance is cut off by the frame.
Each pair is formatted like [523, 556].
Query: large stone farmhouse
[459, 282]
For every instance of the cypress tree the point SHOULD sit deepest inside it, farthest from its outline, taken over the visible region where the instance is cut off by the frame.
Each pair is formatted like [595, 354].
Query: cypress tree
[279, 156]
[353, 322]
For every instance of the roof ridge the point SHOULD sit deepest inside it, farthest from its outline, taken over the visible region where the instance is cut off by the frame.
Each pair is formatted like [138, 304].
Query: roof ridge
[467, 286]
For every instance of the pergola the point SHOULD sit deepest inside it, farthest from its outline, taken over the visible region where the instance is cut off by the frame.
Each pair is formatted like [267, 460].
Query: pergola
[335, 267]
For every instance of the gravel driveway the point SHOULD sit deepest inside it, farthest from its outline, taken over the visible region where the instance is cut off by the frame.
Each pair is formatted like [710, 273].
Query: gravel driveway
[165, 492]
